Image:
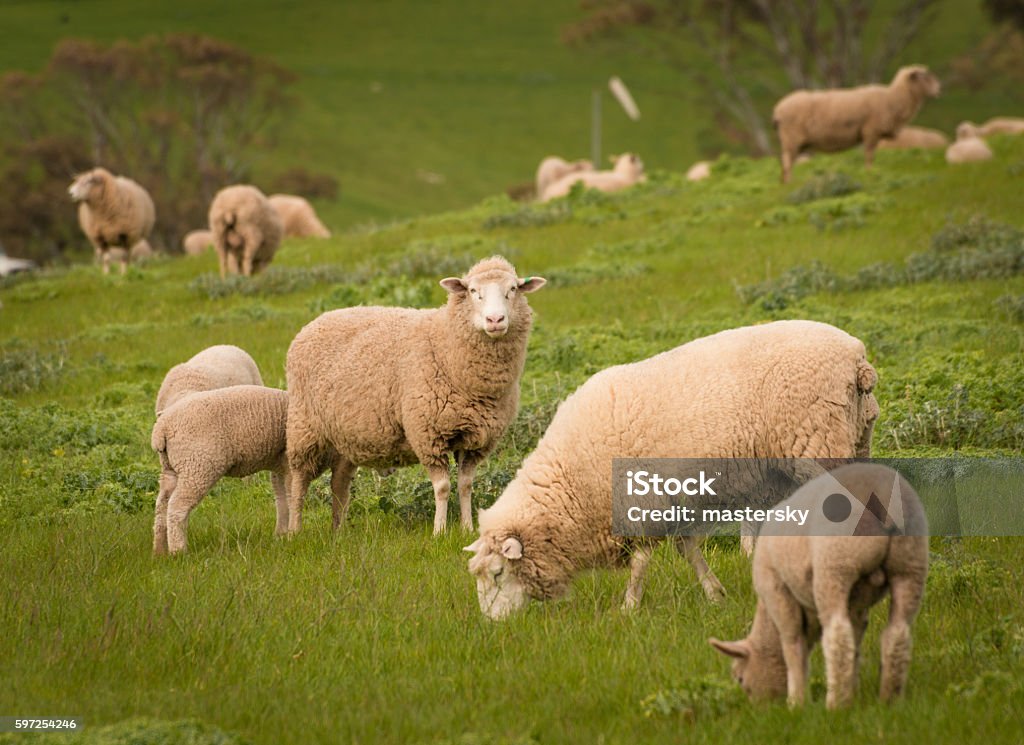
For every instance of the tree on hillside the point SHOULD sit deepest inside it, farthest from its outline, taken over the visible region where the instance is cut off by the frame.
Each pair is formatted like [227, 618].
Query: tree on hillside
[1006, 11]
[742, 53]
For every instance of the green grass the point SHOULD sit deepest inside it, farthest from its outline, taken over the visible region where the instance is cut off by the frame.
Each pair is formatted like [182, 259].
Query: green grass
[374, 635]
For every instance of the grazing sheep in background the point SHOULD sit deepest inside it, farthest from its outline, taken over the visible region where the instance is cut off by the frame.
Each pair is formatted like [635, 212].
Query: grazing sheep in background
[553, 168]
[219, 366]
[197, 242]
[841, 118]
[1000, 125]
[813, 583]
[387, 387]
[114, 212]
[298, 217]
[629, 170]
[968, 150]
[699, 171]
[246, 230]
[236, 431]
[911, 137]
[789, 389]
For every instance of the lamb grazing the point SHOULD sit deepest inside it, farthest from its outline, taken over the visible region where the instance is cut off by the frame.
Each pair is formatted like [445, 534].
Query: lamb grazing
[785, 389]
[197, 242]
[629, 170]
[1000, 125]
[968, 150]
[553, 168]
[235, 431]
[246, 230]
[818, 582]
[298, 217]
[699, 171]
[215, 367]
[387, 387]
[114, 212]
[911, 137]
[841, 118]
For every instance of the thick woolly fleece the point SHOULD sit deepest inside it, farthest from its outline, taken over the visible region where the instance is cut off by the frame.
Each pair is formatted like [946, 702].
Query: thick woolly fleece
[246, 229]
[785, 389]
[298, 217]
[118, 213]
[235, 431]
[219, 366]
[553, 168]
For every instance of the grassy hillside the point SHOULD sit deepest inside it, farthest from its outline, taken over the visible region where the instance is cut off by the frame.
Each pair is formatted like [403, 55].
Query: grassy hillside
[475, 92]
[374, 635]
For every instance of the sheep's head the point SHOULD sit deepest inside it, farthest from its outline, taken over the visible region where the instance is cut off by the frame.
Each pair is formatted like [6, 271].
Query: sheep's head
[919, 78]
[967, 129]
[492, 290]
[89, 183]
[494, 564]
[760, 673]
[630, 165]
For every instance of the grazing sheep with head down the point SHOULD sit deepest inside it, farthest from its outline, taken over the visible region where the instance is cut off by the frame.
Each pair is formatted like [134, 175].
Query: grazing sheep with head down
[820, 582]
[219, 366]
[197, 242]
[841, 118]
[628, 170]
[1000, 125]
[911, 137]
[246, 230]
[298, 217]
[789, 389]
[235, 431]
[553, 168]
[387, 387]
[114, 212]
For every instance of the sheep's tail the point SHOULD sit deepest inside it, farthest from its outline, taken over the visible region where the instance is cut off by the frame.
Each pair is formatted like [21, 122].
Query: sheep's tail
[158, 441]
[866, 377]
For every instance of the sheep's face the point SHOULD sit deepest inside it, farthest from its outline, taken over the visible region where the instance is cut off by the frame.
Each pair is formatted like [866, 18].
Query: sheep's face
[499, 590]
[922, 79]
[761, 676]
[493, 298]
[84, 186]
[966, 129]
[629, 165]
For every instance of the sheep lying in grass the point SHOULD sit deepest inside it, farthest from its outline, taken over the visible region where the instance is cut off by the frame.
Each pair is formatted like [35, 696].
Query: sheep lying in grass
[699, 171]
[246, 230]
[841, 118]
[553, 168]
[114, 212]
[911, 137]
[629, 170]
[219, 366]
[298, 217]
[389, 387]
[197, 242]
[789, 389]
[968, 149]
[236, 431]
[821, 581]
[1000, 125]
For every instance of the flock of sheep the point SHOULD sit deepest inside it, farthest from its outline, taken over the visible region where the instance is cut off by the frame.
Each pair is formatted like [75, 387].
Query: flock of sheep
[117, 216]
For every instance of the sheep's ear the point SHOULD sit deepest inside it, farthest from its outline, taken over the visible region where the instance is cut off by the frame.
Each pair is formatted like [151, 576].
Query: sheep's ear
[512, 548]
[915, 75]
[531, 284]
[740, 650]
[453, 285]
[475, 546]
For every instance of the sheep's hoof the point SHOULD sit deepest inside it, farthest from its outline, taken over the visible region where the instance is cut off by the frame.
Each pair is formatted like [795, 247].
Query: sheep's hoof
[715, 592]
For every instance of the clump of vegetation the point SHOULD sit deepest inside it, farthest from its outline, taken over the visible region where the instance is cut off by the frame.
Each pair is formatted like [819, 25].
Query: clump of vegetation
[695, 699]
[826, 186]
[277, 280]
[531, 216]
[25, 368]
[1012, 306]
[127, 489]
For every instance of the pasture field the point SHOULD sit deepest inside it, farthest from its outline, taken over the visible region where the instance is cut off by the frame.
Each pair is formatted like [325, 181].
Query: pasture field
[374, 634]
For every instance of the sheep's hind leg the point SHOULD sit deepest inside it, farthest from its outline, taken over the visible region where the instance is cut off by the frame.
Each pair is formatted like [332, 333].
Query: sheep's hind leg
[838, 639]
[280, 480]
[690, 548]
[187, 494]
[906, 600]
[638, 562]
[341, 491]
[467, 470]
[168, 480]
[296, 496]
[441, 481]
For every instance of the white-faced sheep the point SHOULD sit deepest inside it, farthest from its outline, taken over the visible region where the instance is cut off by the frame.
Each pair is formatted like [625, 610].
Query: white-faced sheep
[219, 366]
[841, 118]
[968, 150]
[553, 168]
[789, 389]
[114, 212]
[236, 431]
[1000, 125]
[298, 217]
[699, 171]
[820, 582]
[629, 170]
[197, 242]
[246, 229]
[387, 387]
[911, 137]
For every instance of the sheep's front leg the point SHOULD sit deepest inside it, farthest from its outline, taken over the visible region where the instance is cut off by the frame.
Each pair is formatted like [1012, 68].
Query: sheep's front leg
[168, 480]
[442, 488]
[296, 496]
[232, 262]
[638, 562]
[468, 463]
[341, 491]
[690, 548]
[906, 600]
[748, 537]
[788, 617]
[870, 143]
[279, 479]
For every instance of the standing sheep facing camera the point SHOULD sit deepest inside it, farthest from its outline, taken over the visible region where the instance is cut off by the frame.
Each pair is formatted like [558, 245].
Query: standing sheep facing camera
[841, 118]
[628, 170]
[387, 387]
[298, 217]
[553, 168]
[114, 212]
[789, 389]
[821, 580]
[246, 230]
[219, 366]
